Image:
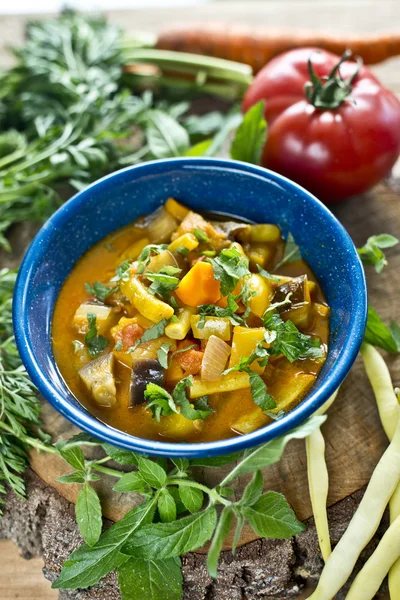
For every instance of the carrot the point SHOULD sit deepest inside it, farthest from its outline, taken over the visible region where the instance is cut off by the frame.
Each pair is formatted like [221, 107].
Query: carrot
[256, 46]
[198, 286]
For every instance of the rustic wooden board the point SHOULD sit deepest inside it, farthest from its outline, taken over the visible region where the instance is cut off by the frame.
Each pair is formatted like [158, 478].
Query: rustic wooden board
[354, 437]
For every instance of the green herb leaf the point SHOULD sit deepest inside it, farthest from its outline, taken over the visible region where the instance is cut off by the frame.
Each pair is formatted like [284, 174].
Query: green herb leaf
[165, 540]
[95, 343]
[291, 253]
[202, 410]
[122, 272]
[220, 534]
[99, 290]
[151, 579]
[239, 527]
[163, 283]
[250, 137]
[73, 455]
[88, 514]
[146, 254]
[86, 566]
[201, 236]
[192, 498]
[131, 482]
[159, 401]
[152, 333]
[267, 275]
[229, 266]
[182, 464]
[75, 477]
[166, 507]
[371, 253]
[212, 310]
[271, 452]
[162, 355]
[378, 334]
[182, 251]
[165, 136]
[288, 341]
[259, 392]
[123, 457]
[253, 490]
[152, 473]
[272, 517]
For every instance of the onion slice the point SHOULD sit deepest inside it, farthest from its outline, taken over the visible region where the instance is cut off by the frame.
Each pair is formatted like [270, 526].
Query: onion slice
[214, 359]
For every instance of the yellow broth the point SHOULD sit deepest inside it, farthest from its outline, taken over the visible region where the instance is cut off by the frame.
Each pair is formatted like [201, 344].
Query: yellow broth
[235, 412]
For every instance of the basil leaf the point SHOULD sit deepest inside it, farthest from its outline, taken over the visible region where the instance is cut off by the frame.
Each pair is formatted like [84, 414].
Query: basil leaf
[151, 579]
[253, 490]
[166, 507]
[272, 517]
[121, 456]
[192, 498]
[152, 333]
[220, 534]
[95, 343]
[371, 253]
[165, 136]
[250, 136]
[88, 514]
[131, 482]
[378, 334]
[100, 290]
[152, 473]
[75, 477]
[271, 452]
[291, 253]
[73, 455]
[86, 566]
[165, 540]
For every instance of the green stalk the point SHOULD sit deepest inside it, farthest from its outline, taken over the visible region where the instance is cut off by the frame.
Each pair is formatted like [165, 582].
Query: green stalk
[213, 494]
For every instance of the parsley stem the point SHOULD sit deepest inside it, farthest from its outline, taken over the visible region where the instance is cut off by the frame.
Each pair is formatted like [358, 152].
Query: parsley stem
[213, 494]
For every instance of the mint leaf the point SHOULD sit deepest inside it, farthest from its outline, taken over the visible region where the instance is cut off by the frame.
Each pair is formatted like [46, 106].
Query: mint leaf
[272, 517]
[217, 311]
[291, 252]
[229, 266]
[131, 482]
[95, 343]
[162, 355]
[150, 579]
[165, 136]
[75, 477]
[73, 455]
[250, 136]
[165, 540]
[259, 392]
[166, 507]
[182, 464]
[159, 401]
[145, 255]
[239, 527]
[86, 566]
[288, 340]
[202, 410]
[267, 275]
[162, 282]
[378, 334]
[192, 498]
[121, 456]
[253, 490]
[271, 452]
[88, 514]
[122, 272]
[371, 253]
[152, 473]
[152, 333]
[100, 290]
[220, 534]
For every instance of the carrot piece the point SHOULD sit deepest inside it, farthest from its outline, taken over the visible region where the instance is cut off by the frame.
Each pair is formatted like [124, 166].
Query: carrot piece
[199, 286]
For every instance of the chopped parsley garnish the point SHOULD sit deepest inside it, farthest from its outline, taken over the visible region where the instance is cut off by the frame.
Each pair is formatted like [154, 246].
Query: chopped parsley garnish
[201, 236]
[94, 343]
[100, 290]
[229, 267]
[122, 271]
[182, 251]
[371, 253]
[161, 403]
[152, 333]
[145, 255]
[291, 253]
[164, 281]
[217, 311]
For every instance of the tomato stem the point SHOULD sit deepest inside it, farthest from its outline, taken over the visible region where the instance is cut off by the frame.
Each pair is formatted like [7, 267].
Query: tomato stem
[331, 91]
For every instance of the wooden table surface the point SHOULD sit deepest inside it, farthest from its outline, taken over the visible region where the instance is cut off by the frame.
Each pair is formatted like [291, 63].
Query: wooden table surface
[23, 579]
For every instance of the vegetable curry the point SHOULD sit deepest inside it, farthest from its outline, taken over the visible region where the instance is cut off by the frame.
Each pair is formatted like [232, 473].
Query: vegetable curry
[173, 328]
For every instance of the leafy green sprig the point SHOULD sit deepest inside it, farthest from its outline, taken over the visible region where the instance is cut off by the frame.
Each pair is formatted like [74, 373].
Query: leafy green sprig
[372, 251]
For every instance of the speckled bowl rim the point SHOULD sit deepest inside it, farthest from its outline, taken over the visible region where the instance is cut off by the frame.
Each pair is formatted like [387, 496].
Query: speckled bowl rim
[85, 421]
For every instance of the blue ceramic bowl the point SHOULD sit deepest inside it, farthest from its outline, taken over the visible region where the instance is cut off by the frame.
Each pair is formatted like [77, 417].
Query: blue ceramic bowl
[203, 184]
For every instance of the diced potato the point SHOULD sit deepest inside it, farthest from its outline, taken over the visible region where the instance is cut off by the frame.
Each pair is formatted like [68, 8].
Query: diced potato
[321, 309]
[291, 390]
[187, 240]
[161, 227]
[135, 249]
[105, 316]
[174, 373]
[150, 349]
[99, 379]
[164, 259]
[264, 294]
[176, 209]
[226, 383]
[177, 426]
[219, 326]
[261, 233]
[259, 254]
[179, 330]
[250, 421]
[244, 342]
[148, 305]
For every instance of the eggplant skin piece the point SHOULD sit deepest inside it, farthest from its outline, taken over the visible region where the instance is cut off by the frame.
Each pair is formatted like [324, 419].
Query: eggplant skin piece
[144, 371]
[298, 288]
[98, 377]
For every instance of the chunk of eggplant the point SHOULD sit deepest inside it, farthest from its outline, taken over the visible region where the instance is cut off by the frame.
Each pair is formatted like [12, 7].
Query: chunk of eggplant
[298, 309]
[98, 376]
[144, 371]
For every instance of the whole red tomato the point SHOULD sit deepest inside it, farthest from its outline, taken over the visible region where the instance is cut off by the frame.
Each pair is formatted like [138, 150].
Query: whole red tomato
[337, 135]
